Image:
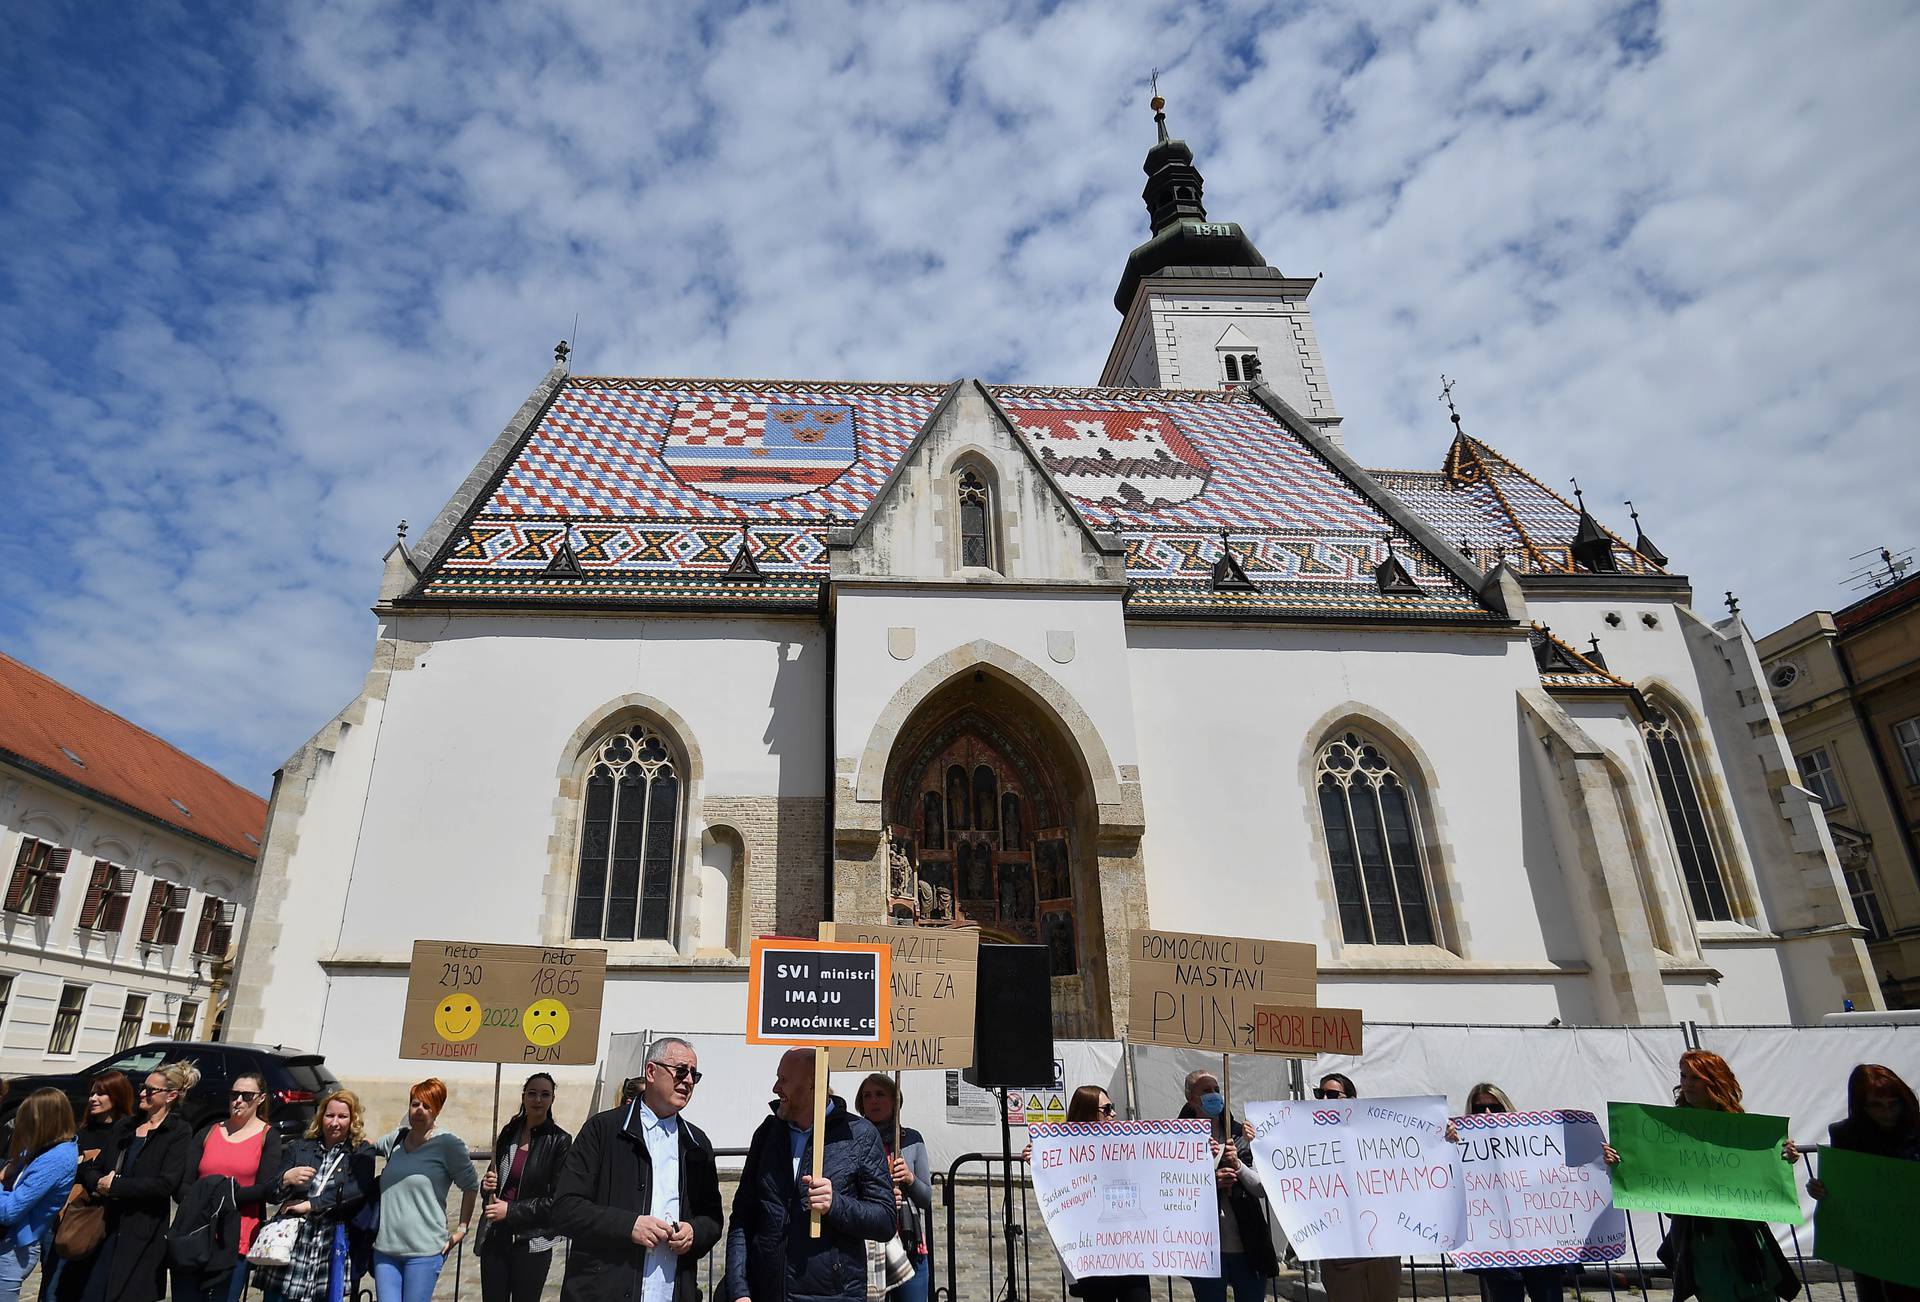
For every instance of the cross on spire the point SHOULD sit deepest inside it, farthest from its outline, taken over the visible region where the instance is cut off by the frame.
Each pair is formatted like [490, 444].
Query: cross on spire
[1446, 396]
[1578, 496]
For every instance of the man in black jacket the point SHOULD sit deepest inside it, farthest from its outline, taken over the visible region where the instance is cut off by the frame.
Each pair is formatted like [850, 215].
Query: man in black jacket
[638, 1238]
[771, 1254]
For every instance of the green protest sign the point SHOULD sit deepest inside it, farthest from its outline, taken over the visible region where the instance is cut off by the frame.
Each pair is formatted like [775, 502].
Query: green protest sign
[1866, 1220]
[1692, 1162]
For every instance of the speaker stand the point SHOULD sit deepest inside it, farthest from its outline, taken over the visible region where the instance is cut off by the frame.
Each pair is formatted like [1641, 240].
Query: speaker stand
[1012, 1228]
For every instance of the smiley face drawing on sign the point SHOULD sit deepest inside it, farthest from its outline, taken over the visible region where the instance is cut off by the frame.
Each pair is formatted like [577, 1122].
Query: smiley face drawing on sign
[457, 1017]
[546, 1023]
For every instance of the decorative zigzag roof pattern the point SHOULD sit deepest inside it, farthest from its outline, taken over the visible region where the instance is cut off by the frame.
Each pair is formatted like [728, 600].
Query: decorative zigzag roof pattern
[1562, 669]
[1493, 510]
[655, 485]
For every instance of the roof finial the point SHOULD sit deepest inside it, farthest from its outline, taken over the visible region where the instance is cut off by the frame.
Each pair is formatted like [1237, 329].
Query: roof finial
[1446, 396]
[1733, 604]
[560, 351]
[1635, 514]
[400, 534]
[1577, 495]
[1159, 105]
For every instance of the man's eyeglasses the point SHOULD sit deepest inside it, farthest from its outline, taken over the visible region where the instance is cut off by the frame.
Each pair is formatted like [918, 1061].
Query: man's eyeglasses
[681, 1071]
[1329, 1094]
[1107, 1110]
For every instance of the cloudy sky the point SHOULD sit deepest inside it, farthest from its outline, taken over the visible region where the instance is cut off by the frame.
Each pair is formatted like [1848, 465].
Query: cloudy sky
[271, 277]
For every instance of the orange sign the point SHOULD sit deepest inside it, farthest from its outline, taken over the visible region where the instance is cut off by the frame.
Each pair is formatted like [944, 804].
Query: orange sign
[1306, 1032]
[817, 992]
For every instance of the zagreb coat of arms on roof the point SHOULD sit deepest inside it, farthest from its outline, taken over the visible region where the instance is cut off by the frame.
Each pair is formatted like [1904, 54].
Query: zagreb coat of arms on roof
[759, 451]
[1136, 460]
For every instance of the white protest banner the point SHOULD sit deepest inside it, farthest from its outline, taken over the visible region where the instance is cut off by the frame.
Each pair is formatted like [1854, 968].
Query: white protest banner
[1361, 1177]
[1538, 1192]
[1129, 1197]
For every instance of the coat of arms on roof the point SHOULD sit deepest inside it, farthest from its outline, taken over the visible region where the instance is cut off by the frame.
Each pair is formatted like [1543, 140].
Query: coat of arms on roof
[1133, 459]
[759, 451]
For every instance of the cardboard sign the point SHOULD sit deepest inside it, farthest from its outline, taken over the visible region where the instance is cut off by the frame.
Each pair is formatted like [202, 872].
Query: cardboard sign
[1693, 1162]
[1860, 1223]
[816, 992]
[1295, 1032]
[1537, 1191]
[934, 977]
[1199, 992]
[1361, 1177]
[503, 1003]
[1129, 1197]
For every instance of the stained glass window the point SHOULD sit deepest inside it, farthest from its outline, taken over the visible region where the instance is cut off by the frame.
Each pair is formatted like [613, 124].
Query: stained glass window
[1373, 843]
[1680, 800]
[629, 840]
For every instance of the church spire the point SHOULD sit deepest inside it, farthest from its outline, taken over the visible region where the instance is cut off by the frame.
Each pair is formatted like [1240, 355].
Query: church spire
[1182, 235]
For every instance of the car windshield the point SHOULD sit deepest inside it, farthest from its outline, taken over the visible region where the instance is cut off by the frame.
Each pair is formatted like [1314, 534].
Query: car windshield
[138, 1065]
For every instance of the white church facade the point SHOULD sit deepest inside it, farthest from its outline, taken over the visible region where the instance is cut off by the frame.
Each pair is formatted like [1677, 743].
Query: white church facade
[688, 661]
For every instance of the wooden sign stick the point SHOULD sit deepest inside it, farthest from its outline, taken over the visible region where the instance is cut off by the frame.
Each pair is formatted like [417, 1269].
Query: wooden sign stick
[1226, 1110]
[820, 1073]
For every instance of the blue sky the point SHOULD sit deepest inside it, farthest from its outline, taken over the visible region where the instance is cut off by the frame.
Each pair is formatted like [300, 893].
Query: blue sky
[272, 277]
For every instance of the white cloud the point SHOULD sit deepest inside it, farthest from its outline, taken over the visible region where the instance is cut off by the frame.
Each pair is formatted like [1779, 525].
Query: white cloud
[272, 288]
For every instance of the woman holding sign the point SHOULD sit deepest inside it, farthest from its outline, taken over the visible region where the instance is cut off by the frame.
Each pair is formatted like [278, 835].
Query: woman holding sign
[1882, 1119]
[516, 1246]
[1091, 1106]
[1356, 1279]
[1711, 1258]
[1512, 1283]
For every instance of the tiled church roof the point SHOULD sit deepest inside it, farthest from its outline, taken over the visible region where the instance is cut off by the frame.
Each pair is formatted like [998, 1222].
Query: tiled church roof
[60, 733]
[1493, 510]
[655, 485]
[1562, 669]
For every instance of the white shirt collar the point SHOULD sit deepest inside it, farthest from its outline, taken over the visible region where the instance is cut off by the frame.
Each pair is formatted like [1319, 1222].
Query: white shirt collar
[649, 1120]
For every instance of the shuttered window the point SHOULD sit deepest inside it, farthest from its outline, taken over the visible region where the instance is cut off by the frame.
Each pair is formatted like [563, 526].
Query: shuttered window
[34, 887]
[214, 936]
[109, 891]
[166, 915]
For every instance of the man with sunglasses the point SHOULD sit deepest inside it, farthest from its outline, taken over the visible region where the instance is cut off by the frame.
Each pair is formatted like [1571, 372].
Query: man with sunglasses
[639, 1195]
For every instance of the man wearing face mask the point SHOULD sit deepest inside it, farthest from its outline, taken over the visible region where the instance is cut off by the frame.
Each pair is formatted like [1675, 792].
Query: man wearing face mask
[1247, 1258]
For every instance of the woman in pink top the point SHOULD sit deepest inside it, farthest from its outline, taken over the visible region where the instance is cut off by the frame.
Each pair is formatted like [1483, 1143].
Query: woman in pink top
[245, 1149]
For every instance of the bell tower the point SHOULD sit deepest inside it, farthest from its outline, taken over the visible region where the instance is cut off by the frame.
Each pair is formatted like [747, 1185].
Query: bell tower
[1200, 307]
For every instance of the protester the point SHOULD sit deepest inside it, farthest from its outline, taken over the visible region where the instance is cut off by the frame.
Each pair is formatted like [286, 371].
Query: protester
[1355, 1279]
[146, 1165]
[109, 1098]
[515, 1248]
[879, 1102]
[1512, 1283]
[1090, 1106]
[41, 1163]
[1713, 1259]
[1882, 1119]
[638, 1194]
[245, 1149]
[423, 1163]
[1247, 1258]
[770, 1253]
[329, 1177]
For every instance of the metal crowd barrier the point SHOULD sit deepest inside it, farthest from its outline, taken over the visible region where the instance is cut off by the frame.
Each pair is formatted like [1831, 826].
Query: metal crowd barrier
[1631, 1275]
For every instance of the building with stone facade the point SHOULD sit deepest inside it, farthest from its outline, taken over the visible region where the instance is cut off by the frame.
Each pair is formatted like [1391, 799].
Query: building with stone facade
[128, 867]
[1846, 684]
[686, 661]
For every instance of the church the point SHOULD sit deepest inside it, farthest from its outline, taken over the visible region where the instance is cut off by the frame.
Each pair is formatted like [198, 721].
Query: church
[683, 662]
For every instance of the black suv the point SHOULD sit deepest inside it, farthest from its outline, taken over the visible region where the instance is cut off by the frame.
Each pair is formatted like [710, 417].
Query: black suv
[295, 1082]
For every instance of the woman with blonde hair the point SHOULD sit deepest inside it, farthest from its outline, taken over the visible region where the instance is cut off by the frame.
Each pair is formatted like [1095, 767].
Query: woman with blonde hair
[328, 1179]
[1512, 1283]
[423, 1164]
[41, 1163]
[147, 1165]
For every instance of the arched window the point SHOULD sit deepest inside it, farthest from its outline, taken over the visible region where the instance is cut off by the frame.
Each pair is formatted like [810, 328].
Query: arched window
[1686, 821]
[629, 840]
[1233, 366]
[976, 533]
[1373, 843]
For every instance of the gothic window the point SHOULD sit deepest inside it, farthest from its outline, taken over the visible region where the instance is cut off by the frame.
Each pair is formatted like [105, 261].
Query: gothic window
[1686, 821]
[976, 535]
[1233, 366]
[629, 840]
[1373, 843]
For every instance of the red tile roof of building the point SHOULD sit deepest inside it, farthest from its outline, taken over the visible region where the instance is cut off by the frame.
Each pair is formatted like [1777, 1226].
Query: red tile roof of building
[80, 744]
[1895, 596]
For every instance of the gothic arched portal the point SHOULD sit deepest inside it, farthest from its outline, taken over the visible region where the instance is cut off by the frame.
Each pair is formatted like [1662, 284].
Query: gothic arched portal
[988, 824]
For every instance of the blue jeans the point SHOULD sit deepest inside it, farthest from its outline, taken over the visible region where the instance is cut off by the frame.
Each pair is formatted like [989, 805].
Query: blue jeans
[406, 1279]
[915, 1289]
[15, 1265]
[1248, 1284]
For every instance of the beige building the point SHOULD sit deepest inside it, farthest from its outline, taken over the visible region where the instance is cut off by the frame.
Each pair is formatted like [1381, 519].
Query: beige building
[1847, 687]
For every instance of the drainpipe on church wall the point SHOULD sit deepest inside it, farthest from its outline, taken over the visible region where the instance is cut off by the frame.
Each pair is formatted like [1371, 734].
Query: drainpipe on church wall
[830, 777]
